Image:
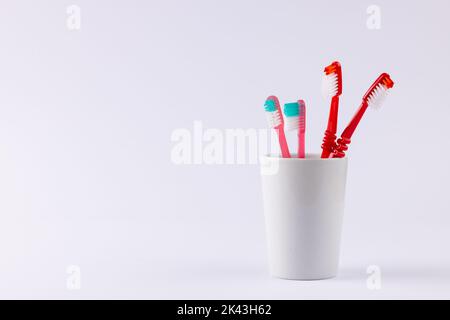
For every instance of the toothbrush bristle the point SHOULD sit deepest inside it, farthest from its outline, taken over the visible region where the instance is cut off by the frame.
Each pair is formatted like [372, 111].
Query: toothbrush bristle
[273, 114]
[329, 85]
[379, 91]
[291, 123]
[291, 119]
[273, 118]
[377, 96]
[332, 80]
[270, 106]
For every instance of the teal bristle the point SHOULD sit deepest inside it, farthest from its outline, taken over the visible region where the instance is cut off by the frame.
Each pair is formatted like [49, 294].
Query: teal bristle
[291, 109]
[270, 106]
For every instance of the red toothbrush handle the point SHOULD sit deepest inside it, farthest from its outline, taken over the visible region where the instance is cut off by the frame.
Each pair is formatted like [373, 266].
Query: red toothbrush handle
[342, 146]
[329, 140]
[346, 136]
[329, 144]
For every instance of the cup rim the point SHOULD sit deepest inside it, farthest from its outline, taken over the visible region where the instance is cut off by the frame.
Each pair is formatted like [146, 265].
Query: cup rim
[308, 157]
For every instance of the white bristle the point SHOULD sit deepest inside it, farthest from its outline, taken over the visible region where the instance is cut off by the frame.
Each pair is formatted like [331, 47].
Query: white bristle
[273, 118]
[291, 123]
[379, 94]
[330, 85]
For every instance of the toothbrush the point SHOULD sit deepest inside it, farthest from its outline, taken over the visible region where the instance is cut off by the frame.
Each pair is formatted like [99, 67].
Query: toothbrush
[294, 114]
[302, 129]
[331, 87]
[374, 97]
[275, 119]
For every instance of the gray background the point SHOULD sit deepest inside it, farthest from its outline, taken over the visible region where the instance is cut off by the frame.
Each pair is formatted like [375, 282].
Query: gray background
[85, 123]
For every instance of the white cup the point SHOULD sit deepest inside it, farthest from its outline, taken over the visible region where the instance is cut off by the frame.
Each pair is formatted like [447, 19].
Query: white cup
[303, 208]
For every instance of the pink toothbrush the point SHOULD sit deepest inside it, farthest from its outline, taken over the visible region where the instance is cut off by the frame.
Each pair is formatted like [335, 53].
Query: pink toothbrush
[294, 115]
[301, 129]
[275, 119]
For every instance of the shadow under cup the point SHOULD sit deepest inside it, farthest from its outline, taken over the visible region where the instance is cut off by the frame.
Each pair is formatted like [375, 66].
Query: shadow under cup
[303, 209]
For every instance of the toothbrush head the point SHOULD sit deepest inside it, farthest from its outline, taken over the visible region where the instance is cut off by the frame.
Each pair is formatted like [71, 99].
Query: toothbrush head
[273, 112]
[377, 93]
[332, 80]
[302, 116]
[292, 116]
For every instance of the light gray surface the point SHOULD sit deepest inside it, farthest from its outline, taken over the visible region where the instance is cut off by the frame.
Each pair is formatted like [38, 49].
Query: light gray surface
[86, 117]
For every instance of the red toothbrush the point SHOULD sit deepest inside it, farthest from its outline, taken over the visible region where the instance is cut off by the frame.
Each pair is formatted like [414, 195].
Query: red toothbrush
[374, 97]
[331, 87]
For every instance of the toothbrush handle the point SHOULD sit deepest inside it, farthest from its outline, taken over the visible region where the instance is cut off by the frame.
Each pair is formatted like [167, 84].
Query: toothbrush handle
[301, 130]
[329, 140]
[346, 136]
[342, 146]
[301, 144]
[283, 143]
[329, 144]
